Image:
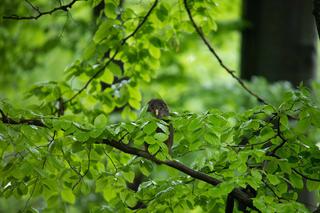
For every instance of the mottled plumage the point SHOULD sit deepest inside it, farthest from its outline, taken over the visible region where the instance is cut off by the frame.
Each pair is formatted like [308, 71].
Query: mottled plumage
[159, 109]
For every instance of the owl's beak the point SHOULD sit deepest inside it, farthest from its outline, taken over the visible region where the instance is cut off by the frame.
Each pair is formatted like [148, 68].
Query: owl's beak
[157, 112]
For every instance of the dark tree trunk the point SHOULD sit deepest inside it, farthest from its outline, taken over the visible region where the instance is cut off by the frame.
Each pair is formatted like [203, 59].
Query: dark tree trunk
[280, 44]
[280, 41]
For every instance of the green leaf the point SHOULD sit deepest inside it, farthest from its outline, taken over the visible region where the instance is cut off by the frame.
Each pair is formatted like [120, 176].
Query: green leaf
[107, 76]
[194, 124]
[146, 168]
[272, 166]
[313, 185]
[68, 196]
[81, 136]
[155, 41]
[134, 93]
[115, 68]
[110, 10]
[296, 181]
[161, 136]
[129, 176]
[150, 128]
[163, 127]
[89, 51]
[22, 189]
[95, 2]
[134, 103]
[154, 52]
[102, 32]
[285, 167]
[266, 133]
[95, 133]
[131, 201]
[153, 149]
[274, 180]
[282, 187]
[162, 13]
[109, 193]
[211, 138]
[256, 174]
[150, 140]
[101, 121]
[284, 121]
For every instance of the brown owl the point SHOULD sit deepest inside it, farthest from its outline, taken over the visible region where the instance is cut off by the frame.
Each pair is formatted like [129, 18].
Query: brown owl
[159, 109]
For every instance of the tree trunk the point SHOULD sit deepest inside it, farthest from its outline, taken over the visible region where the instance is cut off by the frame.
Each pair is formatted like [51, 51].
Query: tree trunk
[280, 44]
[280, 41]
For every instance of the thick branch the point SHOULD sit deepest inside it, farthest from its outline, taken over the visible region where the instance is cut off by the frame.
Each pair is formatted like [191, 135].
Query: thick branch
[237, 193]
[212, 50]
[65, 7]
[5, 119]
[123, 41]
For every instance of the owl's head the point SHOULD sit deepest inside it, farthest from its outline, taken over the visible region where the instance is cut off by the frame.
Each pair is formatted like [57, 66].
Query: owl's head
[158, 108]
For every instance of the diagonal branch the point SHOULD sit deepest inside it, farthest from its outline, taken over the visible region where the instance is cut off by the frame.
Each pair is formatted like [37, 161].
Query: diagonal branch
[122, 42]
[33, 7]
[65, 7]
[6, 120]
[304, 176]
[212, 50]
[237, 193]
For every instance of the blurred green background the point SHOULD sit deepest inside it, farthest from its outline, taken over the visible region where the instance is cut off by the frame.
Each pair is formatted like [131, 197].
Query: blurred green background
[40, 51]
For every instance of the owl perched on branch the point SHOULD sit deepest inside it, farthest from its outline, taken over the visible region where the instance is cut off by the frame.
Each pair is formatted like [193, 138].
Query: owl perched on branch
[160, 110]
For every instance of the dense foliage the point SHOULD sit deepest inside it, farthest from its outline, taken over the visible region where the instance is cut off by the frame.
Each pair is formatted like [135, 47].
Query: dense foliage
[82, 140]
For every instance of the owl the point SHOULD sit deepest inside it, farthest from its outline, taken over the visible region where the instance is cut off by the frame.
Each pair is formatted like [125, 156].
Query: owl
[159, 109]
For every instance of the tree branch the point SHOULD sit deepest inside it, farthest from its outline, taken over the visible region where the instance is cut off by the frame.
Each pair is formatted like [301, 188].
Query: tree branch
[6, 120]
[123, 41]
[211, 49]
[304, 176]
[65, 7]
[279, 134]
[237, 193]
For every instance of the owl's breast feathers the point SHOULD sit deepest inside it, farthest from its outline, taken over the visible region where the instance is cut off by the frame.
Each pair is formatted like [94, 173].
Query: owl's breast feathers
[159, 109]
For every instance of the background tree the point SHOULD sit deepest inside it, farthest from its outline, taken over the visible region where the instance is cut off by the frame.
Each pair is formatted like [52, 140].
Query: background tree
[280, 42]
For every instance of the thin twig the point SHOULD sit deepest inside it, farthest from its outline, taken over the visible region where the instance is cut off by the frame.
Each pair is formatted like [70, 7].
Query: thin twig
[86, 172]
[296, 171]
[271, 189]
[65, 8]
[31, 194]
[111, 160]
[304, 176]
[212, 50]
[254, 144]
[279, 134]
[123, 41]
[33, 7]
